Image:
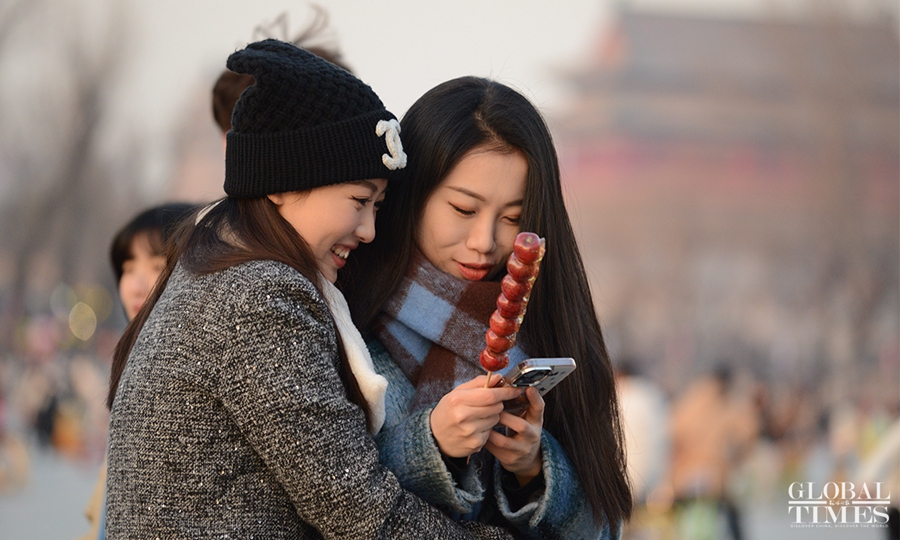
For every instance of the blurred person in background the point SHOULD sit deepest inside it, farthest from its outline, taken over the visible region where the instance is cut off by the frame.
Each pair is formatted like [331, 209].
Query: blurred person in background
[36, 395]
[883, 465]
[645, 423]
[138, 257]
[138, 252]
[482, 168]
[14, 460]
[713, 428]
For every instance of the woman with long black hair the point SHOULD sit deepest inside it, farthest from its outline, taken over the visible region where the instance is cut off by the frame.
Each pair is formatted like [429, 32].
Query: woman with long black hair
[482, 167]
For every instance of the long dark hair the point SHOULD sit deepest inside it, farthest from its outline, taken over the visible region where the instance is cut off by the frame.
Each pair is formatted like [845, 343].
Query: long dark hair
[232, 232]
[438, 130]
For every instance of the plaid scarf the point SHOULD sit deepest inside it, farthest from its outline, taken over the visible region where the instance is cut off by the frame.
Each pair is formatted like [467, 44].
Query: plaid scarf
[434, 327]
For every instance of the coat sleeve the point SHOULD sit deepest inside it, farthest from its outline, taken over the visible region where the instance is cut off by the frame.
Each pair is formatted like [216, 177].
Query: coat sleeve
[561, 511]
[409, 450]
[280, 384]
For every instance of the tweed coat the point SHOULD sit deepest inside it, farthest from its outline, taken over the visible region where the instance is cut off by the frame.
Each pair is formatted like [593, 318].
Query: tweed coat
[230, 421]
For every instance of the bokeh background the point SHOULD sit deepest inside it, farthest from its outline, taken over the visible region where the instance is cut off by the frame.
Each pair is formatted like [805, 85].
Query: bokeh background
[732, 168]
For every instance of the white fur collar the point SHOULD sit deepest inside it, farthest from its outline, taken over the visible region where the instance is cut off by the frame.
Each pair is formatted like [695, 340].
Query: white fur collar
[372, 385]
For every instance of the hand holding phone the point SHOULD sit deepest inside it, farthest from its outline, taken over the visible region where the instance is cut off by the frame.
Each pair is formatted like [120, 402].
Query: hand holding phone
[542, 373]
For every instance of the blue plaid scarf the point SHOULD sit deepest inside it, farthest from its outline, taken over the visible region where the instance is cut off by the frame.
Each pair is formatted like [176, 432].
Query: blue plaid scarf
[434, 327]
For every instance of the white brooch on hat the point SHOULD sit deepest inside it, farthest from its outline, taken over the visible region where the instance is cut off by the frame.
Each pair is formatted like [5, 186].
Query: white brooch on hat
[391, 130]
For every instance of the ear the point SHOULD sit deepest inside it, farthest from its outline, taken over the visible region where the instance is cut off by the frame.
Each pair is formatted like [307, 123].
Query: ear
[276, 198]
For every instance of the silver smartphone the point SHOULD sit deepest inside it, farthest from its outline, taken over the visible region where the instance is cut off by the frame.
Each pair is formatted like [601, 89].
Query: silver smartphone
[542, 373]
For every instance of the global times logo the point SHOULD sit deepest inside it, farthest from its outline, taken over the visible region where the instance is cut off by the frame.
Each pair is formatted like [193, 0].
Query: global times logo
[838, 504]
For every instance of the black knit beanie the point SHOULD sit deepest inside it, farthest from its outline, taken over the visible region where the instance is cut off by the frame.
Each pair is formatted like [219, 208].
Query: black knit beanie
[306, 123]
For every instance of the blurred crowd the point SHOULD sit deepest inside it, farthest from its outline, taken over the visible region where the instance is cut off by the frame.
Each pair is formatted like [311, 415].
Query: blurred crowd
[728, 442]
[51, 400]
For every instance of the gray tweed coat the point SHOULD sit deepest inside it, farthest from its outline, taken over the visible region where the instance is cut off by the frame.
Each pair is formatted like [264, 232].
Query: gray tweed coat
[230, 421]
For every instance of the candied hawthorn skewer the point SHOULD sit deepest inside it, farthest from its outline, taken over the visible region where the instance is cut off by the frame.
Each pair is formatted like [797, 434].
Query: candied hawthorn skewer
[522, 269]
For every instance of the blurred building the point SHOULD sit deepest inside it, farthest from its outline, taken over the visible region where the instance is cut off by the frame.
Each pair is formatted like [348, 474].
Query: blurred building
[736, 184]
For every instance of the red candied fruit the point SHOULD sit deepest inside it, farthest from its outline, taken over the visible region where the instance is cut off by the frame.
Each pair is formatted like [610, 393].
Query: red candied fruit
[527, 247]
[493, 362]
[508, 308]
[499, 344]
[514, 290]
[502, 326]
[519, 270]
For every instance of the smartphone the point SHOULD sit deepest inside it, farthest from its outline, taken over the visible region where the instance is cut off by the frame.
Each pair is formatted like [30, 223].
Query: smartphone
[542, 373]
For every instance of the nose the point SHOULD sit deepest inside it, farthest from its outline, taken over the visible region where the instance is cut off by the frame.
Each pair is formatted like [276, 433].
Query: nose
[366, 229]
[482, 236]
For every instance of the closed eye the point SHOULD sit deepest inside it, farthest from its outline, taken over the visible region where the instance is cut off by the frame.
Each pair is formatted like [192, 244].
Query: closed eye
[361, 201]
[463, 212]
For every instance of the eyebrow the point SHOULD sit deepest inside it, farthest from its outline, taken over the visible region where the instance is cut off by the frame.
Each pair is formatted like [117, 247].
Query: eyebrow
[474, 195]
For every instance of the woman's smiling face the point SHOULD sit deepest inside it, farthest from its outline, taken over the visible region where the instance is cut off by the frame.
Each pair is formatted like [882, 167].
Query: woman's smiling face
[334, 219]
[471, 220]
